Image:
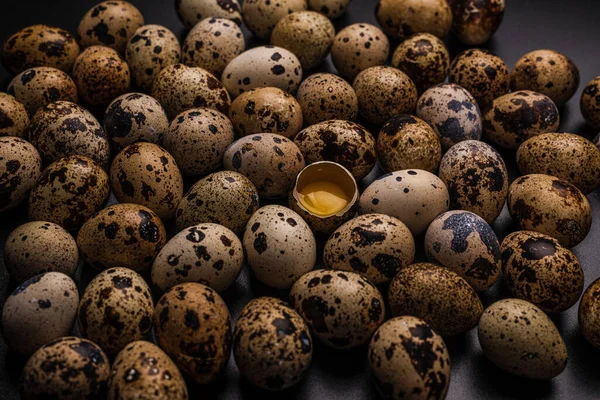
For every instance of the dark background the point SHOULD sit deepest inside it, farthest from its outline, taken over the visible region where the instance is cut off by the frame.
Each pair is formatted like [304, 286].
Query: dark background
[571, 27]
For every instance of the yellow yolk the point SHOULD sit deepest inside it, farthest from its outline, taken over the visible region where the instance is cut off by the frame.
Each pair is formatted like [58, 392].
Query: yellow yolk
[323, 198]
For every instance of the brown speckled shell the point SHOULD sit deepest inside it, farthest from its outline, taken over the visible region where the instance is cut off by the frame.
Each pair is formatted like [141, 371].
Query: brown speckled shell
[13, 117]
[342, 309]
[193, 326]
[589, 314]
[519, 338]
[437, 295]
[549, 205]
[402, 18]
[590, 103]
[191, 12]
[261, 16]
[396, 355]
[323, 97]
[20, 168]
[266, 323]
[475, 21]
[330, 8]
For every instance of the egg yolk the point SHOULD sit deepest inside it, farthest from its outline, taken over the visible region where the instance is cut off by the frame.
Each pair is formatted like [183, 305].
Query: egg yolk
[323, 198]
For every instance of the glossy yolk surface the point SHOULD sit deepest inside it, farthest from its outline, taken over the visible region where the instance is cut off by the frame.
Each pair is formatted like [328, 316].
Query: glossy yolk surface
[323, 198]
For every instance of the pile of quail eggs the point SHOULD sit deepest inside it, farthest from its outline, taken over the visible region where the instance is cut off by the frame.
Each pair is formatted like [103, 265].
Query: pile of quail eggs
[191, 172]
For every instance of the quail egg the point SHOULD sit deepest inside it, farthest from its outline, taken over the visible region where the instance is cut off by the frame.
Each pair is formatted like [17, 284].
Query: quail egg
[261, 16]
[590, 103]
[191, 12]
[475, 21]
[323, 97]
[330, 8]
[588, 314]
[20, 167]
[13, 117]
[402, 18]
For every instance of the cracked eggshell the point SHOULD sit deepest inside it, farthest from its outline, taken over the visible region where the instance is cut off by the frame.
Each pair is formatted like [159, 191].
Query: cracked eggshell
[261, 16]
[323, 97]
[191, 12]
[475, 21]
[402, 18]
[14, 118]
[332, 9]
[589, 314]
[519, 338]
[279, 246]
[20, 168]
[590, 103]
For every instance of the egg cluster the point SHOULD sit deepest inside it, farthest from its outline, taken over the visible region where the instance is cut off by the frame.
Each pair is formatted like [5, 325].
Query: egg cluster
[221, 158]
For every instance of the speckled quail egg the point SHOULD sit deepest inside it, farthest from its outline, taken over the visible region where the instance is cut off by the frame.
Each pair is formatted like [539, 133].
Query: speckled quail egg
[358, 47]
[323, 97]
[69, 368]
[226, 198]
[413, 196]
[266, 110]
[564, 155]
[266, 323]
[475, 21]
[384, 92]
[122, 235]
[20, 167]
[396, 355]
[193, 326]
[39, 45]
[191, 12]
[69, 192]
[589, 314]
[424, 58]
[376, 246]
[143, 370]
[265, 66]
[115, 309]
[39, 86]
[197, 139]
[538, 269]
[406, 142]
[135, 117]
[101, 75]
[452, 112]
[261, 16]
[179, 88]
[547, 72]
[519, 338]
[482, 73]
[476, 177]
[464, 243]
[402, 18]
[63, 129]
[149, 50]
[330, 8]
[13, 117]
[550, 205]
[109, 23]
[146, 174]
[344, 142]
[307, 34]
[41, 309]
[342, 309]
[518, 116]
[279, 246]
[438, 296]
[270, 161]
[212, 44]
[589, 104]
[205, 253]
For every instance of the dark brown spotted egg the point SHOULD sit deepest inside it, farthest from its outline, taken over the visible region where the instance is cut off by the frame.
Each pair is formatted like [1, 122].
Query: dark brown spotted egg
[402, 18]
[476, 177]
[261, 16]
[69, 368]
[330, 8]
[109, 23]
[538, 269]
[226, 198]
[20, 167]
[266, 323]
[14, 118]
[589, 314]
[146, 174]
[396, 355]
[344, 142]
[452, 112]
[464, 243]
[69, 192]
[551, 206]
[342, 309]
[279, 246]
[438, 296]
[324, 97]
[63, 129]
[376, 246]
[193, 326]
[475, 21]
[205, 253]
[122, 235]
[590, 103]
[519, 338]
[39, 45]
[191, 12]
[39, 86]
[41, 309]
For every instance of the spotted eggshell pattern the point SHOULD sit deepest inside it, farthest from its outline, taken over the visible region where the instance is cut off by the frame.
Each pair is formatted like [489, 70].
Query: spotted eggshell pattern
[330, 8]
[323, 97]
[193, 326]
[590, 103]
[397, 355]
[41, 309]
[549, 205]
[342, 309]
[191, 12]
[464, 243]
[266, 323]
[20, 168]
[475, 21]
[69, 368]
[401, 18]
[519, 338]
[13, 117]
[589, 313]
[261, 16]
[438, 296]
[279, 246]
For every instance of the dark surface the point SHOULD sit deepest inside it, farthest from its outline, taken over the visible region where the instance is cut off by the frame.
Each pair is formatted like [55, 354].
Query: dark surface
[568, 26]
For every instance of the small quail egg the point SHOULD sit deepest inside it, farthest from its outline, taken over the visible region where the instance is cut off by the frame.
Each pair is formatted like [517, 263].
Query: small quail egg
[191, 12]
[330, 8]
[323, 97]
[20, 167]
[475, 21]
[590, 103]
[402, 18]
[13, 117]
[261, 16]
[588, 314]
